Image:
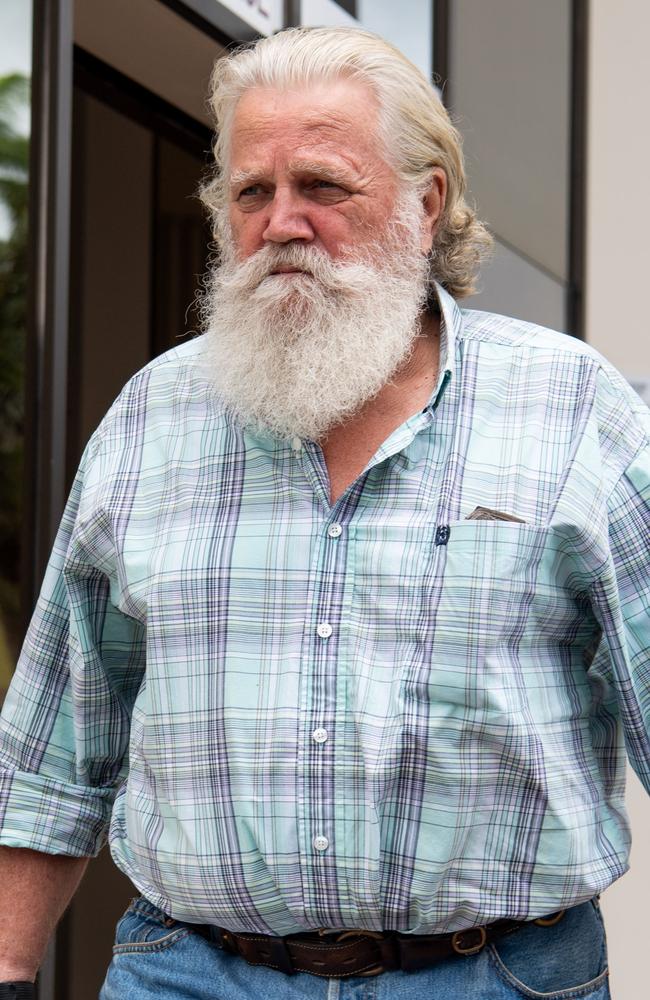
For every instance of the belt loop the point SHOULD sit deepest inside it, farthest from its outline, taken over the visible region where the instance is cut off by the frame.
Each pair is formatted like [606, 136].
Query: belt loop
[218, 937]
[278, 953]
[550, 920]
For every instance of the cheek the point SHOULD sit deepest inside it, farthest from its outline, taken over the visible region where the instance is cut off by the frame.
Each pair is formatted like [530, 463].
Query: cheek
[246, 231]
[366, 221]
[341, 228]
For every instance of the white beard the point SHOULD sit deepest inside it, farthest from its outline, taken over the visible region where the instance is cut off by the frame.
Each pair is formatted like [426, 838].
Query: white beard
[296, 355]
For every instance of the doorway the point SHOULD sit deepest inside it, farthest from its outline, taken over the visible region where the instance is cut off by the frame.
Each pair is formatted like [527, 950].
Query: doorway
[139, 246]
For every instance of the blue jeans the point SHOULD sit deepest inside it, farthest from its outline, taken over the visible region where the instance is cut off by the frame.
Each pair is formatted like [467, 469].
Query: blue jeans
[159, 959]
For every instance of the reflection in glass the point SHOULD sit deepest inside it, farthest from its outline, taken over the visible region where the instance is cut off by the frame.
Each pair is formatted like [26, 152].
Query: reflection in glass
[15, 29]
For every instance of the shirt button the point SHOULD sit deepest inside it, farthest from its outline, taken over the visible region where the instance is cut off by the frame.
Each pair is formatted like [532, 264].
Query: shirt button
[320, 735]
[324, 630]
[321, 843]
[334, 530]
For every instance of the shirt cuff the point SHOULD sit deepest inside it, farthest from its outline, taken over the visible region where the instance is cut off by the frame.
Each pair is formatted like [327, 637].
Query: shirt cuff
[53, 816]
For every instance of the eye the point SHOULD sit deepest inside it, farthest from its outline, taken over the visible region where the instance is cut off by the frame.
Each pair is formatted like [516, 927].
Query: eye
[327, 191]
[325, 185]
[252, 191]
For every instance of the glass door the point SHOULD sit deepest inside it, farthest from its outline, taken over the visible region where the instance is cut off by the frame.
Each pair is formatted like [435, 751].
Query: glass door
[138, 249]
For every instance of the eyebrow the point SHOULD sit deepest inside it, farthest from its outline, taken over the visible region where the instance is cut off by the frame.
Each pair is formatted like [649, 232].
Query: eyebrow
[316, 167]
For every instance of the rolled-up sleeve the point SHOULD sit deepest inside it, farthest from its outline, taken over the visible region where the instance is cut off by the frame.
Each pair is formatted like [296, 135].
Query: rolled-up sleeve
[621, 598]
[65, 723]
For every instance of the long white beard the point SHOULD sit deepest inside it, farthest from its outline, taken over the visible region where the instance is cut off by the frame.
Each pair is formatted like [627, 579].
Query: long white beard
[296, 355]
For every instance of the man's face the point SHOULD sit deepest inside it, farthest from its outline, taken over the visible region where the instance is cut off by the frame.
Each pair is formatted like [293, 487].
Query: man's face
[317, 297]
[306, 168]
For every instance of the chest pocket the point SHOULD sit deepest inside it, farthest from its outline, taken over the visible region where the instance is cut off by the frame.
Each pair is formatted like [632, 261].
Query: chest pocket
[487, 622]
[506, 623]
[493, 555]
[494, 580]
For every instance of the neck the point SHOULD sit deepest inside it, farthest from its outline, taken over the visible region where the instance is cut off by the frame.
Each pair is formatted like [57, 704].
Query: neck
[413, 383]
[349, 446]
[424, 360]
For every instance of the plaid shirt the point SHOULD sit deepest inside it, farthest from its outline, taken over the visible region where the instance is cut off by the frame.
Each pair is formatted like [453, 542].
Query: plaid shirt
[377, 714]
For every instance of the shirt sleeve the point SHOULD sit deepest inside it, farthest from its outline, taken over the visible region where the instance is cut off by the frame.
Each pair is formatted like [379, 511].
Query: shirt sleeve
[621, 600]
[65, 723]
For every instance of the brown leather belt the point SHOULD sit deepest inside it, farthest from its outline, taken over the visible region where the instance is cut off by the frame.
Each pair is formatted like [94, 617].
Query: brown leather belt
[360, 952]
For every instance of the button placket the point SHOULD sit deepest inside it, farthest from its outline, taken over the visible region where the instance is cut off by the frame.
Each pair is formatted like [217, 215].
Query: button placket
[326, 624]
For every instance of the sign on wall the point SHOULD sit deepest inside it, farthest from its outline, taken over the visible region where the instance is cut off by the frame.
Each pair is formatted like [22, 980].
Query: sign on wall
[265, 16]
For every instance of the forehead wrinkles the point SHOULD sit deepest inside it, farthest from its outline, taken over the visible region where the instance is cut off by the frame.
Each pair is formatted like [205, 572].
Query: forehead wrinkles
[323, 120]
[304, 149]
[293, 123]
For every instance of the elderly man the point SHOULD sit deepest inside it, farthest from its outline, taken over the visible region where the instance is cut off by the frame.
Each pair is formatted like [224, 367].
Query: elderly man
[348, 616]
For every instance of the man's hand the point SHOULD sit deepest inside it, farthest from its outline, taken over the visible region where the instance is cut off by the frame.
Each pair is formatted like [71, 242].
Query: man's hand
[35, 889]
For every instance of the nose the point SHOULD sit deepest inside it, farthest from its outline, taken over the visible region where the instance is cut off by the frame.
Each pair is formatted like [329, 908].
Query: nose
[287, 220]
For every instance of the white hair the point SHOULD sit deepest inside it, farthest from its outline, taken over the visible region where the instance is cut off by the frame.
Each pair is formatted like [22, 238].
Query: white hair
[414, 127]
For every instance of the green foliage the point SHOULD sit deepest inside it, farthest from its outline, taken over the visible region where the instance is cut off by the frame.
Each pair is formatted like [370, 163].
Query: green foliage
[14, 154]
[14, 160]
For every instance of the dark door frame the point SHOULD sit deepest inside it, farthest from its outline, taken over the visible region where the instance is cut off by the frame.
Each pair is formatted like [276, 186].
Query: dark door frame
[575, 302]
[46, 375]
[49, 220]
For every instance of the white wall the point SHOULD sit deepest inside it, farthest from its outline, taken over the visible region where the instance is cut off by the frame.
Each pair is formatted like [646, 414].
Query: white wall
[618, 206]
[618, 270]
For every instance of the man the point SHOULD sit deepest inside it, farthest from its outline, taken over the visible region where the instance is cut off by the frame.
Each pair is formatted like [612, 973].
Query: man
[348, 616]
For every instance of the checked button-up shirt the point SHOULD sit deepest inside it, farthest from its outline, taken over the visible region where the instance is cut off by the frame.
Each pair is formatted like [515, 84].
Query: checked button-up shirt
[384, 713]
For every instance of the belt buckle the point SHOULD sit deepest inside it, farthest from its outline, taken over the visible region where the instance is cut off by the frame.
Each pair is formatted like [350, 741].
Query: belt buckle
[457, 945]
[375, 970]
[358, 932]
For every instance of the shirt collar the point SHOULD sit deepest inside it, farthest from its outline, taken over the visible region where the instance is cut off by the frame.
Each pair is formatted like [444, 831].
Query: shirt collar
[451, 322]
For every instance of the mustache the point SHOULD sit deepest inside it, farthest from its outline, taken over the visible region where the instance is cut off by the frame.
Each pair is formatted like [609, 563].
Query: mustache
[316, 266]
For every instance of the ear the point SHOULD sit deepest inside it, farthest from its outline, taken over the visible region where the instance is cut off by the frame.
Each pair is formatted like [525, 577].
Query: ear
[434, 203]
